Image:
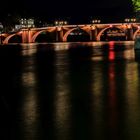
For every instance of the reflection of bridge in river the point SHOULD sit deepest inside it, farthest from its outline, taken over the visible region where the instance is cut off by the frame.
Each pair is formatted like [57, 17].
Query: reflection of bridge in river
[95, 32]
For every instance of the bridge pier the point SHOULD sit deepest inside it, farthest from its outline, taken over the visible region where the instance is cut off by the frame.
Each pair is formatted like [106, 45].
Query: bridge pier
[59, 34]
[30, 35]
[24, 36]
[27, 36]
[129, 34]
[93, 33]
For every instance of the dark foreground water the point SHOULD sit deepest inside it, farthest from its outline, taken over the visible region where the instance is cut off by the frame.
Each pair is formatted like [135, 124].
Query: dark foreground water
[70, 91]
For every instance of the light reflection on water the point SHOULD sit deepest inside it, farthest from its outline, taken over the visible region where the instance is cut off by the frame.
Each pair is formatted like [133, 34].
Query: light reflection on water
[62, 97]
[71, 91]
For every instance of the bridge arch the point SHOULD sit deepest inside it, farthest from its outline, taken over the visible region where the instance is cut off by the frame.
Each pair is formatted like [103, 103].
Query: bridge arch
[6, 40]
[108, 27]
[3, 37]
[71, 30]
[39, 32]
[135, 33]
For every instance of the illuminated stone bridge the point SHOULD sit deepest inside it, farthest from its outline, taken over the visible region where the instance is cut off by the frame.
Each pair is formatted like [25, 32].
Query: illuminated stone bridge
[95, 32]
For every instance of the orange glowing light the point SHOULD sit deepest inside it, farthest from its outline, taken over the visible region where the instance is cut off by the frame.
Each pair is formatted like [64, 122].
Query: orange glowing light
[129, 26]
[58, 28]
[93, 28]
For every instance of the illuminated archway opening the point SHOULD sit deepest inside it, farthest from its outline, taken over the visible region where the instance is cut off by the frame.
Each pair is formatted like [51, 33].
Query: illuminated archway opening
[136, 34]
[113, 34]
[15, 39]
[76, 35]
[45, 36]
[2, 38]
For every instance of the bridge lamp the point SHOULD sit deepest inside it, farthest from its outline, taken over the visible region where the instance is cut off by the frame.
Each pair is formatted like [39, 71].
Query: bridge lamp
[56, 22]
[96, 21]
[130, 20]
[65, 22]
[133, 20]
[60, 23]
[127, 20]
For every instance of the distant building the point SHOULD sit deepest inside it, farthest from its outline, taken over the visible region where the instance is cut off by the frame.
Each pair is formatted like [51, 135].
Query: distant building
[25, 23]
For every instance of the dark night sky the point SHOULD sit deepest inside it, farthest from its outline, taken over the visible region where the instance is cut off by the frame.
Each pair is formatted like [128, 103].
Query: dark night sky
[76, 9]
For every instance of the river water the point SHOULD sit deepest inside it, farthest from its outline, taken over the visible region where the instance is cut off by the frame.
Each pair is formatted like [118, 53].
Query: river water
[70, 91]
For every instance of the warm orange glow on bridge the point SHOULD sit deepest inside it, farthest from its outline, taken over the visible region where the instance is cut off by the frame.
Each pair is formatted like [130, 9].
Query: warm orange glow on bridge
[29, 34]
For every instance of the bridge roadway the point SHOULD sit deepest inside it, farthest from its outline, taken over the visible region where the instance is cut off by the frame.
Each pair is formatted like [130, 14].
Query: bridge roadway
[60, 33]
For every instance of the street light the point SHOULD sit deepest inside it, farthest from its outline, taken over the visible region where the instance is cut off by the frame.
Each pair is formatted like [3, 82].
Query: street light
[96, 21]
[130, 20]
[60, 23]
